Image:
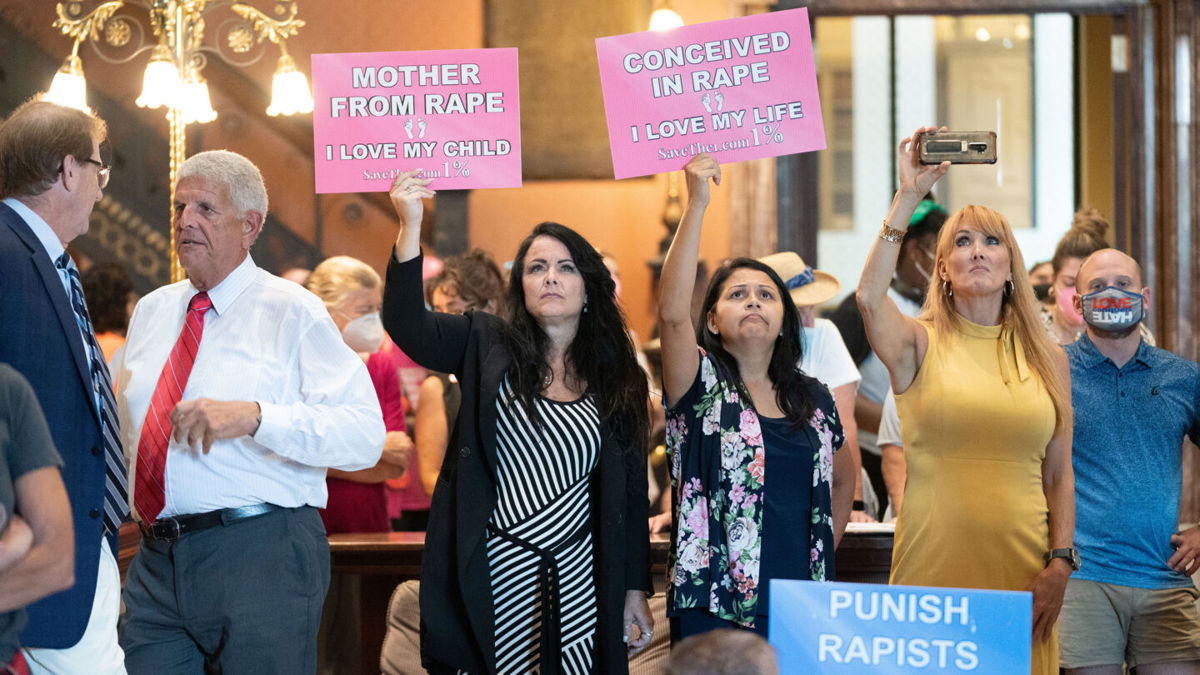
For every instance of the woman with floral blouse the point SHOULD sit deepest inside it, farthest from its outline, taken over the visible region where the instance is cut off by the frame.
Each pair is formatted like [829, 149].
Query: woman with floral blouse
[760, 491]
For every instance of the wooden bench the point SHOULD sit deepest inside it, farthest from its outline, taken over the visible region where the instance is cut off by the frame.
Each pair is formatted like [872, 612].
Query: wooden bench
[387, 558]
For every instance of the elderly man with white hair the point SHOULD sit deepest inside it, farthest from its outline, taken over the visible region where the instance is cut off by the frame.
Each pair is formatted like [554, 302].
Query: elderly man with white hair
[236, 393]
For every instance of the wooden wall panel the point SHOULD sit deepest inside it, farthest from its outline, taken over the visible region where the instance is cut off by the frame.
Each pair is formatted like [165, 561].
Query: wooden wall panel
[563, 132]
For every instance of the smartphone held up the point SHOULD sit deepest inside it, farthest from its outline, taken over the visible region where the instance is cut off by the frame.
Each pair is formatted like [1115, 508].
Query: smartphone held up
[957, 147]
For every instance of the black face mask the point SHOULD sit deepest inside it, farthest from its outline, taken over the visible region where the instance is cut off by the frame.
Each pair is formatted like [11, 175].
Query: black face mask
[1042, 292]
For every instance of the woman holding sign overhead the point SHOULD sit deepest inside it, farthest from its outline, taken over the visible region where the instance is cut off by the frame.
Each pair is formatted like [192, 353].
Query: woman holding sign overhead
[760, 491]
[537, 552]
[985, 397]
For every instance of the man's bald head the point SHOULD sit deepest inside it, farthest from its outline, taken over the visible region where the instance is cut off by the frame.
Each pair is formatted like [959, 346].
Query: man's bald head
[1110, 266]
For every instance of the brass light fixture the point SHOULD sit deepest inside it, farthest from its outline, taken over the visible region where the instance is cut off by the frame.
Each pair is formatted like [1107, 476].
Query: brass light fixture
[173, 78]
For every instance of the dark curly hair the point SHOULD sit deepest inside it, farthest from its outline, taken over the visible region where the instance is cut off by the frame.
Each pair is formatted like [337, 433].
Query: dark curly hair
[601, 356]
[793, 389]
[474, 276]
[107, 287]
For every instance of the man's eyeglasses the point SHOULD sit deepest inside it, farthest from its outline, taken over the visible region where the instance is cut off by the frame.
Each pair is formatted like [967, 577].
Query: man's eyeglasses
[102, 174]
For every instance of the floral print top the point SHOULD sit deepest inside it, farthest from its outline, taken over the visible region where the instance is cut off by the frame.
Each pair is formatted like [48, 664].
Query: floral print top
[715, 445]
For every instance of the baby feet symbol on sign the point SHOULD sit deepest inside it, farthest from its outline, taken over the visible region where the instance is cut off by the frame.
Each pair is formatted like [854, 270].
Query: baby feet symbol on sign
[706, 101]
[720, 100]
[421, 126]
[408, 126]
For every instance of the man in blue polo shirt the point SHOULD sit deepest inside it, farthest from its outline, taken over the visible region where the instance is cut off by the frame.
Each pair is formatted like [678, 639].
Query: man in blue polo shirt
[1133, 600]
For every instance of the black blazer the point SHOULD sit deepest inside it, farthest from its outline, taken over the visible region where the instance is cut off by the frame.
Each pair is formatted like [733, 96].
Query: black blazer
[39, 337]
[457, 621]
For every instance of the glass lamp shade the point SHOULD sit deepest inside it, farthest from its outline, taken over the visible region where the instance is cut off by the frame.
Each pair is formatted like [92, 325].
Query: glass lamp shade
[68, 87]
[194, 103]
[289, 91]
[665, 18]
[160, 84]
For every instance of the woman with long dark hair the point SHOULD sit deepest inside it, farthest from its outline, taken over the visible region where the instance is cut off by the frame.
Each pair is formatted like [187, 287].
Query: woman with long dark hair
[537, 552]
[760, 491]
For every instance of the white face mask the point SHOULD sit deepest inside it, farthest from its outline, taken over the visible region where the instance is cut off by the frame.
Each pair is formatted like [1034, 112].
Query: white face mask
[364, 334]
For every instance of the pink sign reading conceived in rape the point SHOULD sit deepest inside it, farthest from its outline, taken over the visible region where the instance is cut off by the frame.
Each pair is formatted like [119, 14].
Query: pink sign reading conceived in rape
[739, 89]
[454, 114]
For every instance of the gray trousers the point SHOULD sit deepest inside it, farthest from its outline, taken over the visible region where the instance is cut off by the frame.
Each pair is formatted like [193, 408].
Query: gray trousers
[242, 598]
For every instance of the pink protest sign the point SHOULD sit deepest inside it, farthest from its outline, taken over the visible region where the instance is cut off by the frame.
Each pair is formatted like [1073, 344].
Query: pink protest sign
[455, 114]
[739, 89]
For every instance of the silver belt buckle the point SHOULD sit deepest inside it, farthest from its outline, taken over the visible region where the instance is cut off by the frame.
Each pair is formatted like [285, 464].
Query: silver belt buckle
[165, 529]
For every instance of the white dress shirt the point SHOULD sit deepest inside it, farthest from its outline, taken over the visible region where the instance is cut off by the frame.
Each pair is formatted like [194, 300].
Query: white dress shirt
[266, 340]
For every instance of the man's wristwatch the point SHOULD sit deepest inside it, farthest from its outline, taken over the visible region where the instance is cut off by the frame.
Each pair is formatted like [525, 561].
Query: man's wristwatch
[1068, 554]
[858, 505]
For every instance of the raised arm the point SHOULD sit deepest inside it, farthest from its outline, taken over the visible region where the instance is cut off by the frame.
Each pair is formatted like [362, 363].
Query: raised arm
[436, 341]
[679, 356]
[898, 340]
[406, 194]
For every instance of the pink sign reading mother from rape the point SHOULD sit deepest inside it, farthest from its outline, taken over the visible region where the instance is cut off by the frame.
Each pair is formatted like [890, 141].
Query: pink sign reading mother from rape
[739, 89]
[454, 114]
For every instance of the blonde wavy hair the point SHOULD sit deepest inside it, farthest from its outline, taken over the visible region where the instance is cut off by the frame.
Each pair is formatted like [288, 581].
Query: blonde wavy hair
[337, 277]
[1019, 309]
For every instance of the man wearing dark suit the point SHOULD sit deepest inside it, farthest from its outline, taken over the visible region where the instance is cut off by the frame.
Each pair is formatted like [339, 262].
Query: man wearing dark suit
[51, 176]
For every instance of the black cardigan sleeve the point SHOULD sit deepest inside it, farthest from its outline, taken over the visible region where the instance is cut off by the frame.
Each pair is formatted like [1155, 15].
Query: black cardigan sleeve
[637, 529]
[434, 340]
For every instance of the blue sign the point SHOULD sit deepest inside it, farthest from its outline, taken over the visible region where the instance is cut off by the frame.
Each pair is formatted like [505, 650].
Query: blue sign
[855, 628]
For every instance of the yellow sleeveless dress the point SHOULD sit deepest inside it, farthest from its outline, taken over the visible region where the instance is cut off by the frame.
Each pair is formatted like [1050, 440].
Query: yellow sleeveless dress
[976, 421]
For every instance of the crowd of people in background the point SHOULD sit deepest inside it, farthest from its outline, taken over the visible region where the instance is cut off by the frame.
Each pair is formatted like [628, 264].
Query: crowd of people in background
[1018, 425]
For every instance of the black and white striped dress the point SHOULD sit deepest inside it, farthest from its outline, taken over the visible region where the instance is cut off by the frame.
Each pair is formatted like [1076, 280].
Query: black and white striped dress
[540, 536]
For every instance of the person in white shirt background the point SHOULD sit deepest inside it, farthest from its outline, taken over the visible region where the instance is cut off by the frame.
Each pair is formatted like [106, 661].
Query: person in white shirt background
[234, 562]
[891, 449]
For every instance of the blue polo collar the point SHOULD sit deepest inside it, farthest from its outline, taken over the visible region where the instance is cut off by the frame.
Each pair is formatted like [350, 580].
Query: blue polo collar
[1092, 356]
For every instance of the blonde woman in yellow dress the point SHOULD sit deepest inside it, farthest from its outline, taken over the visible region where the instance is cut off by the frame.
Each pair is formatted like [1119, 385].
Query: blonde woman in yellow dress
[985, 398]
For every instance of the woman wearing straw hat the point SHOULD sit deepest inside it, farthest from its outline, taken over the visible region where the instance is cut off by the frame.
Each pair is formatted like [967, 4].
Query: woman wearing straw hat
[825, 356]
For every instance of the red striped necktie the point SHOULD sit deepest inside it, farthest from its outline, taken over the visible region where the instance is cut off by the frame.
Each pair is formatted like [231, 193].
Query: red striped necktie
[149, 484]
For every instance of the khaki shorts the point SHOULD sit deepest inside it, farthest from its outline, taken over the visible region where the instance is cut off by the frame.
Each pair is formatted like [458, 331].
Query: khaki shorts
[1103, 624]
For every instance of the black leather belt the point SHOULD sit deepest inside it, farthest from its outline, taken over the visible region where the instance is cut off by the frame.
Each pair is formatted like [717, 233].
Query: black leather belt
[171, 529]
